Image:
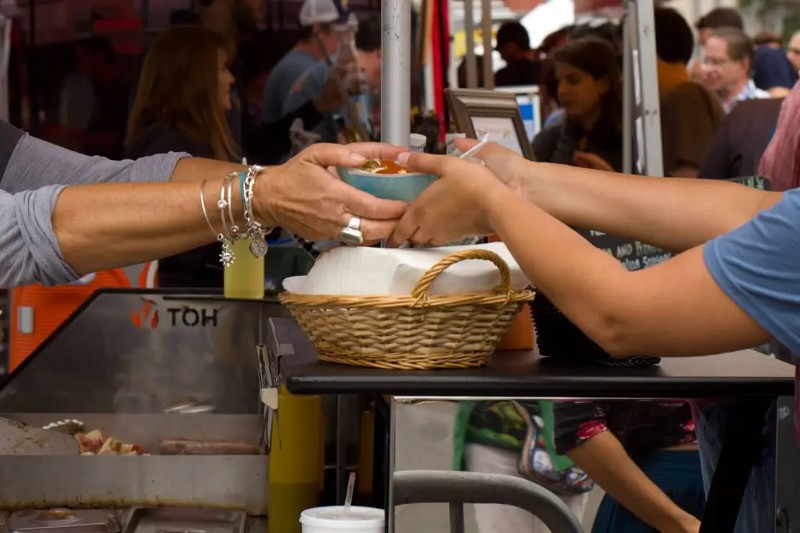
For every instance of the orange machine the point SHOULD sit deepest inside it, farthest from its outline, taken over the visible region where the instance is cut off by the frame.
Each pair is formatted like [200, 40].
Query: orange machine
[37, 311]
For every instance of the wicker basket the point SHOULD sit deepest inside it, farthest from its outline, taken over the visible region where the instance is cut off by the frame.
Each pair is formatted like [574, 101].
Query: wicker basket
[411, 332]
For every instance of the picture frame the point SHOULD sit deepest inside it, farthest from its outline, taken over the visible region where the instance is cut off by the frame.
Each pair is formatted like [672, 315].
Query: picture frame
[477, 112]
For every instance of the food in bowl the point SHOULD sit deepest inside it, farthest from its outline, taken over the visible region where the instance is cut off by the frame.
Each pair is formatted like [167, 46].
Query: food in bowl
[384, 167]
[387, 179]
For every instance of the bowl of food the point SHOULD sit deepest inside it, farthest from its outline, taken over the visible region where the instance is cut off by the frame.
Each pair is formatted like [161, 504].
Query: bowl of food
[386, 179]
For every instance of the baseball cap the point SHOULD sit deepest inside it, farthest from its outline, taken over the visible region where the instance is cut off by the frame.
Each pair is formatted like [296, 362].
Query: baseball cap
[319, 12]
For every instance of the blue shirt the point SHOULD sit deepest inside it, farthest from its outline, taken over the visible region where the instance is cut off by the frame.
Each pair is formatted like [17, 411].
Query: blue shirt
[772, 69]
[758, 266]
[310, 86]
[281, 80]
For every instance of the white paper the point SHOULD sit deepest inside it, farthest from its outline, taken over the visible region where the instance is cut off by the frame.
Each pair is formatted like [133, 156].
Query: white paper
[382, 271]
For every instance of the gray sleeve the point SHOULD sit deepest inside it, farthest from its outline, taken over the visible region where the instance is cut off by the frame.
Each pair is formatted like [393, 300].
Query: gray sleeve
[33, 175]
[34, 163]
[29, 251]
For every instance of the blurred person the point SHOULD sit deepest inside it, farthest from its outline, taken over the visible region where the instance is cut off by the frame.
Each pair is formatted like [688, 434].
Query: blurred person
[590, 92]
[739, 143]
[184, 91]
[793, 51]
[237, 20]
[523, 66]
[772, 70]
[690, 113]
[728, 63]
[312, 83]
[781, 160]
[721, 17]
[317, 39]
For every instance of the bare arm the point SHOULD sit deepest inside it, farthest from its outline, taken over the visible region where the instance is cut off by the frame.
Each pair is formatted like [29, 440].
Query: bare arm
[675, 307]
[675, 214]
[56, 233]
[609, 465]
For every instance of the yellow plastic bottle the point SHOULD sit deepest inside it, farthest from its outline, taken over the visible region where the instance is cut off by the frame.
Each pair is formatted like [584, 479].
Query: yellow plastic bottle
[295, 462]
[245, 277]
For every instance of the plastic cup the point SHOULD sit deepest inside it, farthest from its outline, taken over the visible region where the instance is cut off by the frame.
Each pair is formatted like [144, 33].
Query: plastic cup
[333, 520]
[417, 142]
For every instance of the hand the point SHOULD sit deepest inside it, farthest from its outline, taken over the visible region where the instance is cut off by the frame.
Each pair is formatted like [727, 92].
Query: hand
[514, 171]
[331, 97]
[303, 197]
[455, 206]
[592, 161]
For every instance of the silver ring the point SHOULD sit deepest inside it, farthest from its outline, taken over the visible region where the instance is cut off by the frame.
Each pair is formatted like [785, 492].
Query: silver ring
[351, 234]
[355, 223]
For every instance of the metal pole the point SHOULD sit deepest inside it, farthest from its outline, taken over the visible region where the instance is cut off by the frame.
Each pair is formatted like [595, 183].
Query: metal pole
[396, 72]
[469, 31]
[488, 70]
[627, 92]
[651, 107]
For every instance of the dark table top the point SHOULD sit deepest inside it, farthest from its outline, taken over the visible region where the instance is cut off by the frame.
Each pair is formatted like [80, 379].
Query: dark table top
[523, 373]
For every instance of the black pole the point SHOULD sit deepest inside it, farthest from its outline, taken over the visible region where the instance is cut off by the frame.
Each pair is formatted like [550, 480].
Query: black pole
[444, 49]
[31, 64]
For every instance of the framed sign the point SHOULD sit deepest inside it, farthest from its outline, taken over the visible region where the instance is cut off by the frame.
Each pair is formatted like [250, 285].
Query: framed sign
[479, 112]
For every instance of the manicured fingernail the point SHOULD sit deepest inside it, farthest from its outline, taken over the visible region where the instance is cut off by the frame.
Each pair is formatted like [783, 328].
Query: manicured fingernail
[403, 158]
[357, 159]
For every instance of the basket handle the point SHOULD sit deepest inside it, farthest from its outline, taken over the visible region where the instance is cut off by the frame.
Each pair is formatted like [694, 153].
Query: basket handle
[422, 289]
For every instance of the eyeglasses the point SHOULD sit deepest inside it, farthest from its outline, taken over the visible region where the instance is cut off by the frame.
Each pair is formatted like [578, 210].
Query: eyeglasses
[716, 61]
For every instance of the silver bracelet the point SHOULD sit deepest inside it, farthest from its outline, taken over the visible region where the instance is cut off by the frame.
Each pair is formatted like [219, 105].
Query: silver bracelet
[255, 232]
[234, 229]
[226, 257]
[219, 236]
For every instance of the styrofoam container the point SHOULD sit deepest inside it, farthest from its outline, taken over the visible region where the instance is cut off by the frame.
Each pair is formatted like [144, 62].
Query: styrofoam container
[332, 520]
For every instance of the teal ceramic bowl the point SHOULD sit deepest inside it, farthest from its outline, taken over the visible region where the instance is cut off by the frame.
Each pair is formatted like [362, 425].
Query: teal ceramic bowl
[403, 187]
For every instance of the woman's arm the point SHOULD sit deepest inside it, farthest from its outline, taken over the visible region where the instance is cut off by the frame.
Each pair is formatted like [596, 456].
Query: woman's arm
[675, 308]
[608, 464]
[675, 214]
[55, 233]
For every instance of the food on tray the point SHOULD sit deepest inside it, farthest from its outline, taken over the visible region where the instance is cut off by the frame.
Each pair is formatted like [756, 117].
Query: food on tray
[95, 443]
[383, 166]
[208, 447]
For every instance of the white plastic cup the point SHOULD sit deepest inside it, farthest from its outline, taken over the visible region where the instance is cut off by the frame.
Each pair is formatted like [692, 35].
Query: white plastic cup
[417, 142]
[450, 143]
[333, 520]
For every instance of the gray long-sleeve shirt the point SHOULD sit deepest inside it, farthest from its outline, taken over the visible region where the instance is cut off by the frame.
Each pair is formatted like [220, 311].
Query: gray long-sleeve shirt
[32, 175]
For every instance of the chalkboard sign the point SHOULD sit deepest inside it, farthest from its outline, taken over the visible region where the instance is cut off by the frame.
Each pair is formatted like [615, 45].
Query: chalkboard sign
[635, 255]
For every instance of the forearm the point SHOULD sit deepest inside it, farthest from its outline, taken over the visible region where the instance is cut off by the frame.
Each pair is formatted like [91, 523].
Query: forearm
[605, 460]
[580, 279]
[195, 169]
[99, 227]
[675, 214]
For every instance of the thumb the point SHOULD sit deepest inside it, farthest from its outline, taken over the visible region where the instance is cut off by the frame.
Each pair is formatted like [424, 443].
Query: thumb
[421, 162]
[332, 155]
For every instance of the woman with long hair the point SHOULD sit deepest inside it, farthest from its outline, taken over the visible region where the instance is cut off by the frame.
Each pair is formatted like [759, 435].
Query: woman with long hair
[183, 94]
[589, 90]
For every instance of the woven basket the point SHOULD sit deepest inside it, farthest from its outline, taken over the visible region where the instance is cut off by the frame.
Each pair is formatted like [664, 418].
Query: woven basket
[411, 332]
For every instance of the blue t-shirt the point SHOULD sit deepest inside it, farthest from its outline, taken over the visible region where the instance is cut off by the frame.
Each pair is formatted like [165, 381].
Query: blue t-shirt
[281, 80]
[308, 87]
[758, 266]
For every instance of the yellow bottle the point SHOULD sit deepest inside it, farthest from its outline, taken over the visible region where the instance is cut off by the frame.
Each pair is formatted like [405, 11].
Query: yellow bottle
[245, 277]
[296, 462]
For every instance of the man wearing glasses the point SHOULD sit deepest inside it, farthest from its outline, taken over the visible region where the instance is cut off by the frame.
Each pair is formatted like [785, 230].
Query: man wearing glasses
[728, 64]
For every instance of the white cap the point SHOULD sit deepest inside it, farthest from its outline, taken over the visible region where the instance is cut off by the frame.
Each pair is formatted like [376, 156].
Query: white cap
[318, 12]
